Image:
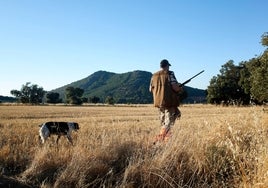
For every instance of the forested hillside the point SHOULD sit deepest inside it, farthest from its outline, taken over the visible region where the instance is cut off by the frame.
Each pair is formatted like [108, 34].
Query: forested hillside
[7, 99]
[130, 87]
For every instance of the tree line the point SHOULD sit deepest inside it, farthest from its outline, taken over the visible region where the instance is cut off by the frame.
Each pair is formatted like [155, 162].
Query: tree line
[33, 94]
[235, 84]
[241, 84]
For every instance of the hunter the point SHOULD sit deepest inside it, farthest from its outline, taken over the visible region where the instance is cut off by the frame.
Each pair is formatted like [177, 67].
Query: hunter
[165, 88]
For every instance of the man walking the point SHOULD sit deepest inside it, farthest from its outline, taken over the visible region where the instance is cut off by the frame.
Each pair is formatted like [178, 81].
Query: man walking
[165, 88]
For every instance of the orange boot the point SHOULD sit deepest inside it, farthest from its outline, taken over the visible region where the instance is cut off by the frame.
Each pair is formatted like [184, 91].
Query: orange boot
[163, 136]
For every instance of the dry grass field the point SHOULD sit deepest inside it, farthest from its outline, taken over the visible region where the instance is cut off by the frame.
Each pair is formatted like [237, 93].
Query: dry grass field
[211, 146]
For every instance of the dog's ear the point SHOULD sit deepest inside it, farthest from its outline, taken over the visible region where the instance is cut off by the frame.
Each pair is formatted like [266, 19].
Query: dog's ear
[40, 125]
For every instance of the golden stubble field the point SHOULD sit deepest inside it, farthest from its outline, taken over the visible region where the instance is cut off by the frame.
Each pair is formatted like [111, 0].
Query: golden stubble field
[211, 146]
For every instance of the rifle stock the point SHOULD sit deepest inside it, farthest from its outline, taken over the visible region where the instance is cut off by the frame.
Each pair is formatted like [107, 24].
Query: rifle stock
[187, 81]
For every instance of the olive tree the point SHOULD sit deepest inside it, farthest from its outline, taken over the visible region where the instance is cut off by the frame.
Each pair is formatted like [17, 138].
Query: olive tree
[73, 95]
[29, 93]
[53, 97]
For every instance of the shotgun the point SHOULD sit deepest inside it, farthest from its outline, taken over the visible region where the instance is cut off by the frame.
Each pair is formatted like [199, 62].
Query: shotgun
[187, 81]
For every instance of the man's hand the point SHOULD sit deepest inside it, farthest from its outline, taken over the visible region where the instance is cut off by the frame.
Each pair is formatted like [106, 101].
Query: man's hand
[176, 87]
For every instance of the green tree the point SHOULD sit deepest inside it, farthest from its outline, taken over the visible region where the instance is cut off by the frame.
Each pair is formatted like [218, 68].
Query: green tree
[225, 87]
[73, 95]
[248, 81]
[264, 39]
[109, 100]
[259, 80]
[258, 68]
[53, 97]
[213, 91]
[245, 74]
[94, 99]
[84, 99]
[29, 93]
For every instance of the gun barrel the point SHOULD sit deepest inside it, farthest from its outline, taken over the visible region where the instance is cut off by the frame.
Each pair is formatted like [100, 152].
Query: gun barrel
[184, 83]
[197, 74]
[191, 78]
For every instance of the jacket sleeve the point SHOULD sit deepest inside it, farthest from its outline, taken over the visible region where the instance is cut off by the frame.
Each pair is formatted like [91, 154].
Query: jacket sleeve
[173, 82]
[151, 87]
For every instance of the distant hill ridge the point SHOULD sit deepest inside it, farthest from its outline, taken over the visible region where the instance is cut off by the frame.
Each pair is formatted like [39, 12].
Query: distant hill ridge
[7, 99]
[131, 87]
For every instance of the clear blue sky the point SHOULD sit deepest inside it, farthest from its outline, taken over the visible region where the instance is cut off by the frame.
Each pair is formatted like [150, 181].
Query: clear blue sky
[52, 43]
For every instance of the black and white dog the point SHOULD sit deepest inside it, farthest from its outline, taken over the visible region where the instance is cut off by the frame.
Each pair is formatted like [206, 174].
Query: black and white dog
[57, 128]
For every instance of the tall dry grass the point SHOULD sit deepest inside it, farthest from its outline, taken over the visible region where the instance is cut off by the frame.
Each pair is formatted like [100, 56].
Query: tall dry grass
[210, 147]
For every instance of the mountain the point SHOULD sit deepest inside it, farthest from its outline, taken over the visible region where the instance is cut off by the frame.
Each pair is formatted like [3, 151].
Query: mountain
[130, 87]
[7, 99]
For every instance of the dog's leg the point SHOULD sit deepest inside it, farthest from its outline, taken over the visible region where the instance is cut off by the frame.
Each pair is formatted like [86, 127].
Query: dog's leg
[42, 139]
[69, 138]
[58, 139]
[44, 133]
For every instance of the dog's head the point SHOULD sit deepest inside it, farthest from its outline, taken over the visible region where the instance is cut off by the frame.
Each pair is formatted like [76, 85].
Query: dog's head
[40, 125]
[74, 125]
